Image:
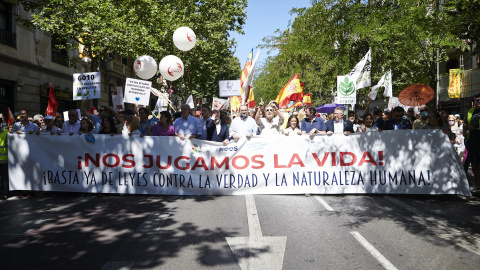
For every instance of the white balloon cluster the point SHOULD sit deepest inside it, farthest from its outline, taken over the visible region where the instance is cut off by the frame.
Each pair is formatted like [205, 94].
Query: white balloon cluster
[171, 67]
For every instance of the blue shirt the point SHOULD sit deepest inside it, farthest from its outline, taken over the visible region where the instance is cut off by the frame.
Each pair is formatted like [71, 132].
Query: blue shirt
[97, 123]
[187, 127]
[25, 128]
[202, 125]
[317, 123]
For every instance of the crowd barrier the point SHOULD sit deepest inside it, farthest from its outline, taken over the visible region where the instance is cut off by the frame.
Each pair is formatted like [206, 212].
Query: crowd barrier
[388, 162]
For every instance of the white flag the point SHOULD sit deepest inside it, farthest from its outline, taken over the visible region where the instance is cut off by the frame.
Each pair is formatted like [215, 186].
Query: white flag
[361, 72]
[190, 102]
[385, 81]
[159, 104]
[249, 79]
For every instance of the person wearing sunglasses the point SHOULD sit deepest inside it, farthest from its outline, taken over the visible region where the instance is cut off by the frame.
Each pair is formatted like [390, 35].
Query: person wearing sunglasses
[420, 122]
[471, 127]
[72, 126]
[398, 121]
[269, 124]
[96, 119]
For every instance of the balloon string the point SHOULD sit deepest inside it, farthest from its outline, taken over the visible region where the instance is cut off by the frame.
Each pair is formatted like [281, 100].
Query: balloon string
[188, 71]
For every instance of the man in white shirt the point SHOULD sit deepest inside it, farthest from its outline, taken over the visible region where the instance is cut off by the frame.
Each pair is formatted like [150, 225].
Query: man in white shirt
[72, 126]
[244, 125]
[338, 125]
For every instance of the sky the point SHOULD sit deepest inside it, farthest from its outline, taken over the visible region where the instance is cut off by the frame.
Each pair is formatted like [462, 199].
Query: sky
[263, 18]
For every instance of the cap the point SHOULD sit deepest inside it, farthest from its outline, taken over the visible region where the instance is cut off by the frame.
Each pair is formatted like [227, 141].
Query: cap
[48, 117]
[457, 115]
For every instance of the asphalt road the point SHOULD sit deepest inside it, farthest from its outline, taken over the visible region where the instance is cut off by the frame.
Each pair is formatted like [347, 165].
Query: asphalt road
[69, 231]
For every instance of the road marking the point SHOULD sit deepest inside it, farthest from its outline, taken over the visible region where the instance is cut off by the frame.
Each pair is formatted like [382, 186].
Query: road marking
[375, 253]
[257, 251]
[120, 265]
[441, 229]
[75, 202]
[254, 228]
[153, 223]
[324, 203]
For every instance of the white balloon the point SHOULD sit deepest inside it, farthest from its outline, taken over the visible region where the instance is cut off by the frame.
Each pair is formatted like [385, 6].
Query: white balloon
[145, 67]
[184, 38]
[171, 67]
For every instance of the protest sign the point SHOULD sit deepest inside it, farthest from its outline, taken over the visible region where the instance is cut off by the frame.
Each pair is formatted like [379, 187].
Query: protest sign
[117, 99]
[229, 88]
[86, 85]
[137, 91]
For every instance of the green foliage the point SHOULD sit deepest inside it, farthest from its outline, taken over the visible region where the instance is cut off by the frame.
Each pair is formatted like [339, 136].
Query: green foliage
[329, 38]
[134, 28]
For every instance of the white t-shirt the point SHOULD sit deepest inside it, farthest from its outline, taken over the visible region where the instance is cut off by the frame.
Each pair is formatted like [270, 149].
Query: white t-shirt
[267, 127]
[291, 132]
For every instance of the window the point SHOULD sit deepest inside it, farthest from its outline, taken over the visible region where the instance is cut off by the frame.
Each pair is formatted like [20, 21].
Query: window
[7, 33]
[59, 53]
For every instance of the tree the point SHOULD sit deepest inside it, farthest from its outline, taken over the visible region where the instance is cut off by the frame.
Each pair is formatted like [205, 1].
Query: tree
[329, 38]
[134, 28]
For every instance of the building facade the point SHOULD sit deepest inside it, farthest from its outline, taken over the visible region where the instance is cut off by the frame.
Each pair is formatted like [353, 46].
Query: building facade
[30, 61]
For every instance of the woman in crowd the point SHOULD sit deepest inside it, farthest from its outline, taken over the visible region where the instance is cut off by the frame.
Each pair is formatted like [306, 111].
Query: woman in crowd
[86, 126]
[453, 125]
[385, 116]
[108, 126]
[292, 127]
[164, 126]
[367, 123]
[131, 126]
[49, 127]
[434, 121]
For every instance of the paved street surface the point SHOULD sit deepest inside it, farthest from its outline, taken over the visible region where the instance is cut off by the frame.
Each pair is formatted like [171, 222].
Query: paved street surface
[70, 231]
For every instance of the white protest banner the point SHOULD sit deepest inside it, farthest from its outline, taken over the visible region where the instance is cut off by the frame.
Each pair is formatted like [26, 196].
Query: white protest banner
[219, 104]
[137, 91]
[346, 92]
[117, 100]
[368, 162]
[86, 85]
[229, 88]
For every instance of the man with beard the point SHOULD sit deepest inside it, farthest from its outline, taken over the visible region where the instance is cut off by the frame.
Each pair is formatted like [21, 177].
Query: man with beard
[243, 126]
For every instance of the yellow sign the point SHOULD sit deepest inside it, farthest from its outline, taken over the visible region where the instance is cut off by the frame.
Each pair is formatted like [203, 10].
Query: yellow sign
[454, 87]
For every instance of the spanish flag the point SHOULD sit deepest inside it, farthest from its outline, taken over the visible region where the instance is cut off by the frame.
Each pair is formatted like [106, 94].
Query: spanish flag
[11, 119]
[307, 99]
[292, 91]
[251, 99]
[236, 101]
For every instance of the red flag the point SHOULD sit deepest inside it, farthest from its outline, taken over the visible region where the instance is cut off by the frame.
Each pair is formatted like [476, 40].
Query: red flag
[92, 110]
[11, 119]
[52, 103]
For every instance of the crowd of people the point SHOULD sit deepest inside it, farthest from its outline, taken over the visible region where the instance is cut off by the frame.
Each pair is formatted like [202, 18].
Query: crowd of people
[219, 126]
